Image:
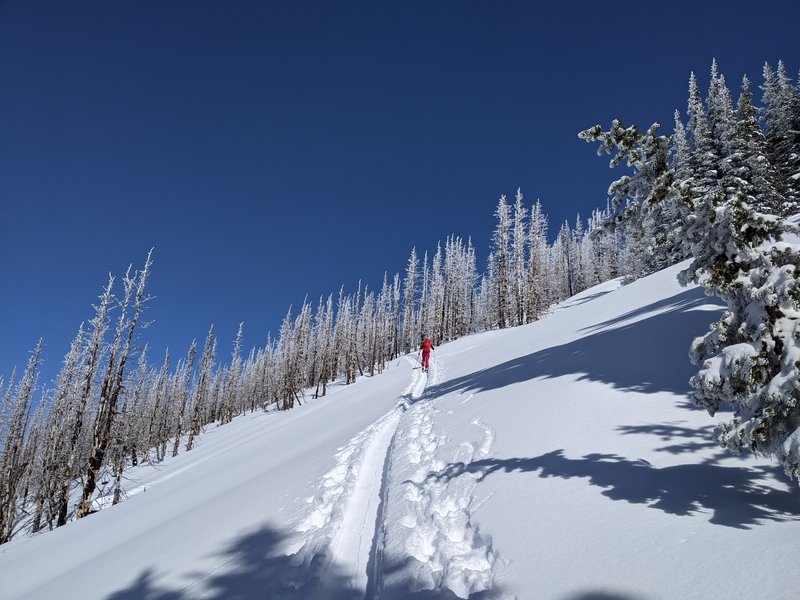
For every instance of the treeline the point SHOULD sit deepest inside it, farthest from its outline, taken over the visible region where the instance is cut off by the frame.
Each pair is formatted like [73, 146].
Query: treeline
[702, 192]
[104, 415]
[714, 191]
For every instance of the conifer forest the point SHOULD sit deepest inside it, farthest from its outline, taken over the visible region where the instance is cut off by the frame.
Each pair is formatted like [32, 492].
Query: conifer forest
[713, 192]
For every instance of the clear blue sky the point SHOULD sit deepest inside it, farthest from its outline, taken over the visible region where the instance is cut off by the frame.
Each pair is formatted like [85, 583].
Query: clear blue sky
[270, 150]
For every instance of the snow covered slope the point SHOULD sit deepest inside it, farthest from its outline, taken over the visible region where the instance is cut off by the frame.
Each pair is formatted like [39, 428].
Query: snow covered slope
[558, 460]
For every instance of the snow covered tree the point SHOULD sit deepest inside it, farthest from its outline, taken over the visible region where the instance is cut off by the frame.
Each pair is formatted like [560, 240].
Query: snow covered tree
[410, 329]
[323, 346]
[538, 287]
[781, 118]
[76, 432]
[231, 394]
[436, 297]
[501, 240]
[182, 394]
[133, 299]
[13, 466]
[202, 391]
[519, 243]
[753, 172]
[751, 356]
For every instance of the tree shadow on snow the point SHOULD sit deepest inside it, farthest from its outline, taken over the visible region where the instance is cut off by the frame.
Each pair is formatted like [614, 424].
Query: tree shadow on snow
[583, 300]
[736, 497]
[252, 568]
[650, 355]
[602, 596]
[693, 438]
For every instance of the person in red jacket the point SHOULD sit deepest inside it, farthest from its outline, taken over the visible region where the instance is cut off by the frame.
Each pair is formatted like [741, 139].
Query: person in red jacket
[427, 346]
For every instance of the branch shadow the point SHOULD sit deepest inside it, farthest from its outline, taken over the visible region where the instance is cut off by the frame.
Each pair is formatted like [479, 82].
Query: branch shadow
[253, 569]
[584, 299]
[644, 356]
[735, 497]
[697, 438]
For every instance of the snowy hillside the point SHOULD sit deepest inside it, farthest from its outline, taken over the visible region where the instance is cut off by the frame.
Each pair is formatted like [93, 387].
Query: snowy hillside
[561, 459]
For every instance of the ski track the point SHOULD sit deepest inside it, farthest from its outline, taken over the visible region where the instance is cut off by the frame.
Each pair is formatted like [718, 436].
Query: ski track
[434, 517]
[344, 533]
[339, 529]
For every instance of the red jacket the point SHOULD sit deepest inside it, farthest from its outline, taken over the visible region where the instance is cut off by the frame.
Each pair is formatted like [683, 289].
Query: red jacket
[427, 346]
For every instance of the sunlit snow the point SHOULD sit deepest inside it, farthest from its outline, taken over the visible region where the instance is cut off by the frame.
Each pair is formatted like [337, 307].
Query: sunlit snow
[558, 460]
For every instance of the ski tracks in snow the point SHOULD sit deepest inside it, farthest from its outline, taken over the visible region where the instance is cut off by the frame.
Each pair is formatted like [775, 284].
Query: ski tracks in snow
[428, 516]
[382, 509]
[340, 527]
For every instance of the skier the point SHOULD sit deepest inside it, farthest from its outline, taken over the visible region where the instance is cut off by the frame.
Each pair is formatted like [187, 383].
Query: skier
[427, 346]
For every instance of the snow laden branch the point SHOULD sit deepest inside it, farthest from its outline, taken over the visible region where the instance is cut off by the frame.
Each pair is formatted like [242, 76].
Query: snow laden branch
[647, 154]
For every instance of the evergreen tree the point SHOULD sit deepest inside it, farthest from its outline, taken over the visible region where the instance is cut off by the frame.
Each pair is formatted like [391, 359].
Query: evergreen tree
[410, 331]
[781, 117]
[519, 242]
[538, 292]
[133, 300]
[13, 466]
[501, 255]
[753, 172]
[634, 196]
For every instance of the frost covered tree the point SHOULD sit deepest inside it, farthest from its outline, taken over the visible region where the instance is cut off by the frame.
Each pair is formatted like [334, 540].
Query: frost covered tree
[519, 243]
[13, 466]
[501, 240]
[133, 300]
[182, 394]
[753, 172]
[410, 328]
[436, 296]
[232, 380]
[538, 286]
[323, 346]
[203, 389]
[781, 119]
[77, 435]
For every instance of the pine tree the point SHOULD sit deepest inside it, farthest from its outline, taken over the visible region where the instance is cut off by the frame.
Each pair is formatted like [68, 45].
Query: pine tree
[754, 174]
[13, 466]
[538, 287]
[634, 196]
[519, 242]
[781, 117]
[182, 393]
[133, 298]
[410, 331]
[83, 396]
[202, 391]
[501, 254]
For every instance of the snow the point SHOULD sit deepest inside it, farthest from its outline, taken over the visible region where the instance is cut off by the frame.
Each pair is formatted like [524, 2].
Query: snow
[559, 460]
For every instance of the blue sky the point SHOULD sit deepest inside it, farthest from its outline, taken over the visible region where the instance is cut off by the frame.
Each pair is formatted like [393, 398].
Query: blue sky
[271, 150]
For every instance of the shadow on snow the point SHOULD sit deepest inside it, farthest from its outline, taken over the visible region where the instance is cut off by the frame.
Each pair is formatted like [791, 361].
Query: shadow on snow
[735, 496]
[696, 438]
[649, 355]
[253, 568]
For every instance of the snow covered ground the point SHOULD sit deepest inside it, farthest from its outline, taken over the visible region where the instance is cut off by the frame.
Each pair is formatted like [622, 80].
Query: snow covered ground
[558, 460]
